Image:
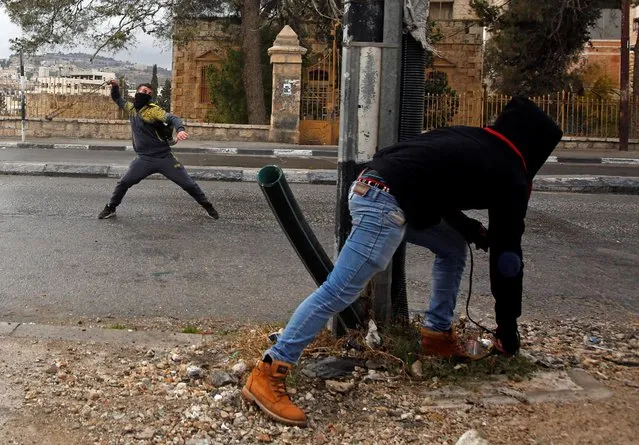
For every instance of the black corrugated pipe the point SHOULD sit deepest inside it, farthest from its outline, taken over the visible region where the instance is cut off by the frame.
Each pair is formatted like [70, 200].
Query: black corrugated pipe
[280, 198]
[411, 124]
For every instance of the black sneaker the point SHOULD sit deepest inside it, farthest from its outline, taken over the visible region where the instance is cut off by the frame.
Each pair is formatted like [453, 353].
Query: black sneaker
[211, 210]
[108, 212]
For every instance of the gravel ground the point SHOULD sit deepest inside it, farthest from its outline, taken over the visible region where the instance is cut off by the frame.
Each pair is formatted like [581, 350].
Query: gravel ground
[60, 392]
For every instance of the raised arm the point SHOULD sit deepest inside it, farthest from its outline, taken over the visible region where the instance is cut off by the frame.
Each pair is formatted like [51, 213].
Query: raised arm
[116, 95]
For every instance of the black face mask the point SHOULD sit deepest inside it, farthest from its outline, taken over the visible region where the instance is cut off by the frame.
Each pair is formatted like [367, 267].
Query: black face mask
[141, 100]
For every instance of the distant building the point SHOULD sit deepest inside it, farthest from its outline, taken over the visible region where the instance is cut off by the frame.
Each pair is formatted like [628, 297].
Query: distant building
[76, 82]
[604, 47]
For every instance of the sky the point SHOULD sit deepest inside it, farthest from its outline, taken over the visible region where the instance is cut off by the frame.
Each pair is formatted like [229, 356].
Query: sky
[148, 51]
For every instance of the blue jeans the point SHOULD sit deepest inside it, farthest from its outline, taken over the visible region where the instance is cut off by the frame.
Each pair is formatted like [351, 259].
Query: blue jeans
[378, 229]
[450, 250]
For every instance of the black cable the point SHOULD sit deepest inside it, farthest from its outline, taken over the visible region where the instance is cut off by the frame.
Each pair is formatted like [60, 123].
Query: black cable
[470, 290]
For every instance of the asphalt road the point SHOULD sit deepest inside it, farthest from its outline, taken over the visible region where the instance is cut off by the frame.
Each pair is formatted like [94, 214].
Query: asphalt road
[162, 257]
[220, 160]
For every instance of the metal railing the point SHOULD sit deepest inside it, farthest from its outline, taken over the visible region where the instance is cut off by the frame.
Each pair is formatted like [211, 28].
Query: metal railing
[578, 116]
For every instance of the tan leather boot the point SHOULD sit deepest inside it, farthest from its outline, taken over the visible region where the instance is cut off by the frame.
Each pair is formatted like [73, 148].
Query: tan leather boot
[442, 344]
[266, 387]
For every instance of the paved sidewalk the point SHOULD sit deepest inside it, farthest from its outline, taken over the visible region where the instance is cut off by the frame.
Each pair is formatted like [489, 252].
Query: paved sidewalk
[188, 146]
[278, 149]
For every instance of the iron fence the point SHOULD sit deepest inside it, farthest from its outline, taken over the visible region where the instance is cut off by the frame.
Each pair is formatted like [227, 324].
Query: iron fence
[578, 116]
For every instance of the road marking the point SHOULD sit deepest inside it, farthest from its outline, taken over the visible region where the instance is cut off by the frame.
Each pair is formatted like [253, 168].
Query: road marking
[620, 161]
[292, 152]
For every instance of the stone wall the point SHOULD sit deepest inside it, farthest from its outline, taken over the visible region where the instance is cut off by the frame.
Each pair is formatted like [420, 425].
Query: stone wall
[595, 144]
[120, 129]
[78, 106]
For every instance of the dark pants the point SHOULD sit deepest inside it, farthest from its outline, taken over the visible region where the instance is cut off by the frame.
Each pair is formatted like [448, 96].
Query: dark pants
[143, 166]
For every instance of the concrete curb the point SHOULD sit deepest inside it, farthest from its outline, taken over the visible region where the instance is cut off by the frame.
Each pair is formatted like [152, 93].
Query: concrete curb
[279, 152]
[591, 160]
[285, 152]
[573, 184]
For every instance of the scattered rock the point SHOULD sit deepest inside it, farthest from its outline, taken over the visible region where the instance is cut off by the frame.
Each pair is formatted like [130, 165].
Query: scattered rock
[331, 367]
[145, 434]
[239, 368]
[195, 372]
[221, 378]
[339, 387]
[373, 340]
[523, 398]
[416, 369]
[471, 437]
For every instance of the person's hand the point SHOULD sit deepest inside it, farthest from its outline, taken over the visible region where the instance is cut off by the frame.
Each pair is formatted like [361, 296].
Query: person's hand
[481, 238]
[478, 234]
[113, 83]
[182, 135]
[507, 339]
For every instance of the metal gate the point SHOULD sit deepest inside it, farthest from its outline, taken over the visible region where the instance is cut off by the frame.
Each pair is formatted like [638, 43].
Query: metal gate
[319, 111]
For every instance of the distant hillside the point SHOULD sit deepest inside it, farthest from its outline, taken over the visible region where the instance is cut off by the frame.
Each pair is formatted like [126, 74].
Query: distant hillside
[132, 72]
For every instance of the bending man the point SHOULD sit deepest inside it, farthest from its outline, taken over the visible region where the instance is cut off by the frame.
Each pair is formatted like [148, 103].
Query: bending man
[416, 190]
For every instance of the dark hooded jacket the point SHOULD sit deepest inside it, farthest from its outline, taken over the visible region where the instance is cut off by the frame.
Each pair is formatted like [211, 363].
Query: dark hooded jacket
[444, 171]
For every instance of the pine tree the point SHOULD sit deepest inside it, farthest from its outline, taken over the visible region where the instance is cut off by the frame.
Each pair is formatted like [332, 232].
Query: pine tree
[3, 104]
[154, 83]
[164, 99]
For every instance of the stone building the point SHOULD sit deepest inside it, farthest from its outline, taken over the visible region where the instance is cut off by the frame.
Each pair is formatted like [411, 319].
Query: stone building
[460, 52]
[189, 91]
[604, 47]
[459, 55]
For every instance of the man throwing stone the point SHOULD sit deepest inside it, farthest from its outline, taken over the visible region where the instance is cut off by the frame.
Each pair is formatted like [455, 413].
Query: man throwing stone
[153, 151]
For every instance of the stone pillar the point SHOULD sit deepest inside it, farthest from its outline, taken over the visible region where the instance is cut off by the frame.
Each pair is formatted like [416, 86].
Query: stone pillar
[286, 58]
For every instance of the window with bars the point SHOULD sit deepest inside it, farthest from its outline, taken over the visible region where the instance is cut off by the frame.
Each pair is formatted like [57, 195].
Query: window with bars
[205, 98]
[441, 10]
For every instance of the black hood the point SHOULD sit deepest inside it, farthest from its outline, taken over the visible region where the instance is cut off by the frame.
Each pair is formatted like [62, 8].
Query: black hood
[532, 131]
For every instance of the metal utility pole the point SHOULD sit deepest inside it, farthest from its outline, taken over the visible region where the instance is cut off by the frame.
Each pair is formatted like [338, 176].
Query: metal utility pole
[624, 81]
[23, 97]
[369, 115]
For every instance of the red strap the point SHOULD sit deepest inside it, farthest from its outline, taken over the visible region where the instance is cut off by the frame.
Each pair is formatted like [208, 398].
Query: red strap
[513, 148]
[510, 144]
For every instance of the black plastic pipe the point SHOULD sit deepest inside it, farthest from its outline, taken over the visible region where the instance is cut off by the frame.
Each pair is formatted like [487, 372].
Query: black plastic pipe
[280, 198]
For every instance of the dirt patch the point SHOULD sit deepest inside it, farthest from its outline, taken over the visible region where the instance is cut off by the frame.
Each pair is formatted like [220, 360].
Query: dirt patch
[64, 392]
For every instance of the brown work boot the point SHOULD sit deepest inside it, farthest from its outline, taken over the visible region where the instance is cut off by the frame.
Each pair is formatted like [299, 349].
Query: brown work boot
[265, 386]
[442, 344]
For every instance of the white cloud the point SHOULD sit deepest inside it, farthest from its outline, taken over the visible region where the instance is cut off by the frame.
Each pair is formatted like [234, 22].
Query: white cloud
[148, 50]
